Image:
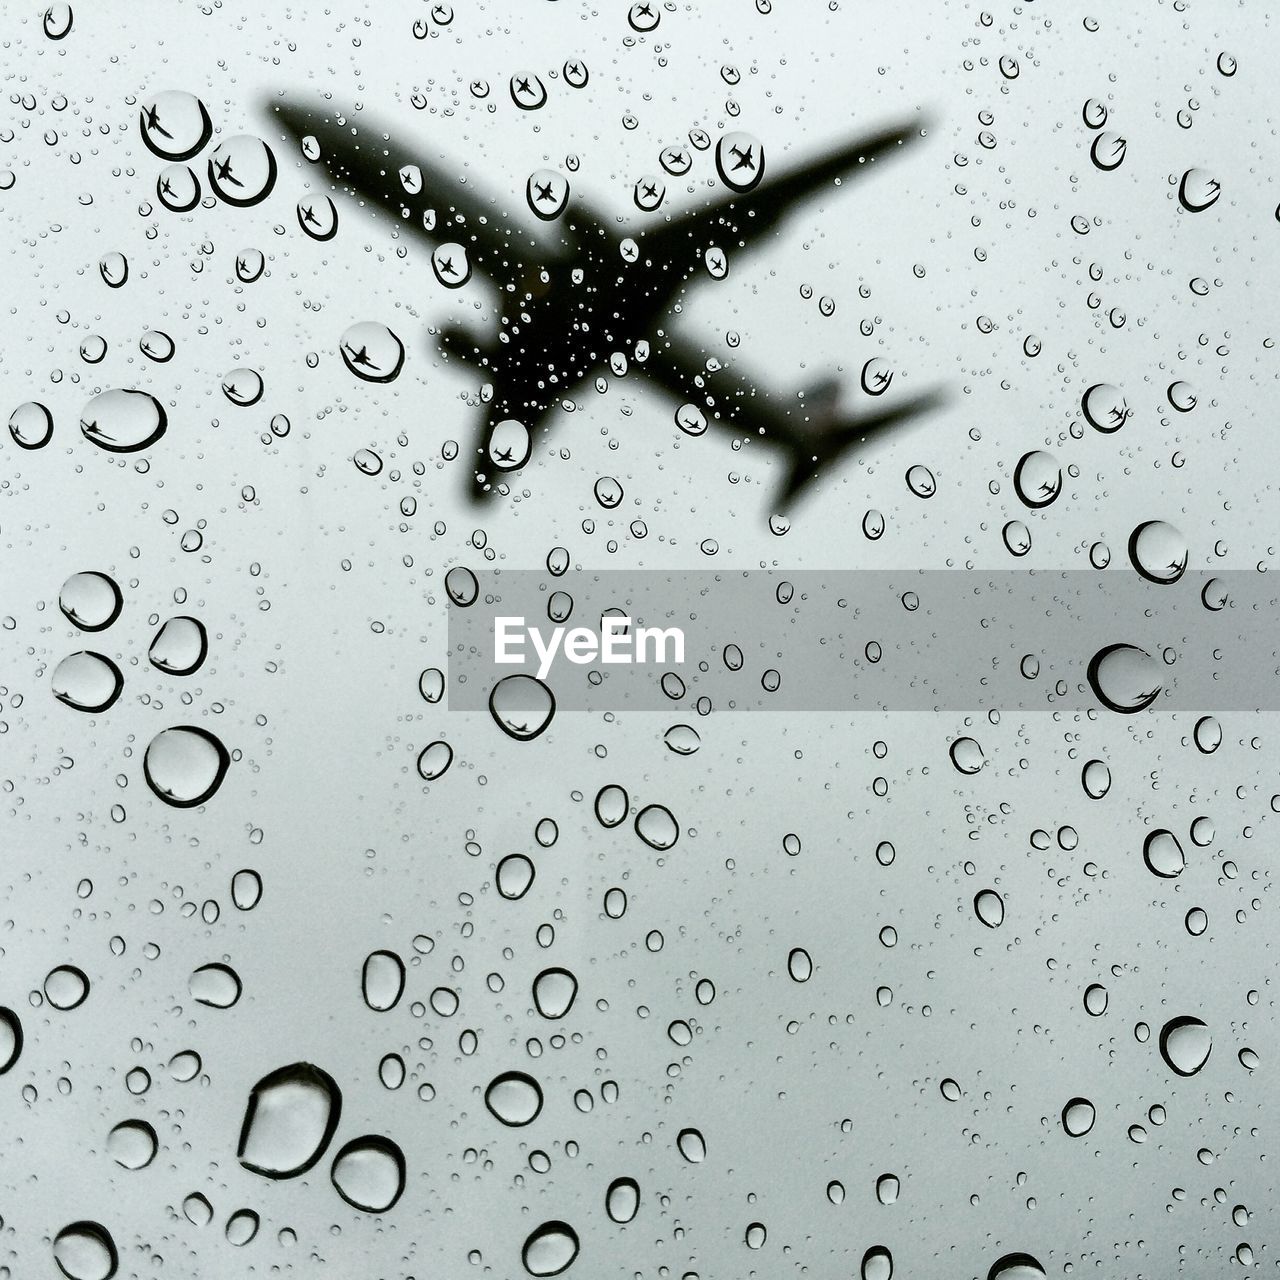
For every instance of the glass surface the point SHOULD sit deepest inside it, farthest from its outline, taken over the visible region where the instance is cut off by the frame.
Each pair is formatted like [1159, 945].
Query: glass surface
[927, 345]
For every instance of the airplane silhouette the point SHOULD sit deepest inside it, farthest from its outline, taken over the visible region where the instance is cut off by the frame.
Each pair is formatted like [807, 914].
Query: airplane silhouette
[543, 191]
[153, 123]
[743, 158]
[224, 173]
[360, 357]
[567, 306]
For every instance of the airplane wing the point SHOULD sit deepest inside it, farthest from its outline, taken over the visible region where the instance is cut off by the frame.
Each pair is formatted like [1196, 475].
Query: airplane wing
[808, 432]
[368, 164]
[749, 216]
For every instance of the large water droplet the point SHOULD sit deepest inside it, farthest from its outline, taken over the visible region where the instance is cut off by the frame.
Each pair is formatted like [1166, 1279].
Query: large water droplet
[185, 765]
[180, 646]
[174, 124]
[989, 908]
[123, 421]
[656, 826]
[85, 1251]
[87, 681]
[877, 1263]
[1185, 1044]
[1163, 854]
[31, 425]
[90, 600]
[1078, 1116]
[514, 876]
[521, 706]
[514, 1098]
[799, 965]
[1158, 551]
[132, 1144]
[1125, 678]
[550, 1249]
[554, 991]
[967, 755]
[692, 1145]
[290, 1118]
[66, 987]
[372, 352]
[740, 161]
[242, 171]
[1016, 1266]
[382, 980]
[10, 1039]
[1037, 478]
[215, 985]
[369, 1173]
[622, 1199]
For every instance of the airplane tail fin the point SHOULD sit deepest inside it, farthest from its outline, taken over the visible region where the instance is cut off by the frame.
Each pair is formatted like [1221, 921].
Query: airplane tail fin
[825, 442]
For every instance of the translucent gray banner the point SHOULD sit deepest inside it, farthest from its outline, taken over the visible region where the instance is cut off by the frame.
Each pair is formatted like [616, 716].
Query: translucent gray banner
[866, 640]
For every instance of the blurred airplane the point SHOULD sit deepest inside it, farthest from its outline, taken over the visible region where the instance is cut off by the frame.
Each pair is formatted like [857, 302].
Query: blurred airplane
[595, 299]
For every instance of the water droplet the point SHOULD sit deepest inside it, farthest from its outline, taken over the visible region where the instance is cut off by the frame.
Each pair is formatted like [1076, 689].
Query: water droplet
[87, 681]
[1016, 1266]
[31, 425]
[510, 445]
[1207, 735]
[241, 1227]
[1105, 407]
[90, 600]
[550, 1249]
[382, 980]
[185, 765]
[1108, 151]
[1095, 778]
[1158, 551]
[1037, 478]
[372, 351]
[85, 1251]
[514, 876]
[622, 1200]
[554, 991]
[197, 1210]
[967, 755]
[174, 124]
[683, 739]
[369, 1173]
[1198, 190]
[1185, 1044]
[1078, 1116]
[1095, 1000]
[547, 193]
[434, 760]
[521, 706]
[1163, 854]
[123, 421]
[989, 908]
[242, 171]
[514, 1098]
[246, 889]
[132, 1144]
[180, 646]
[1125, 678]
[691, 1144]
[291, 1116]
[799, 965]
[10, 1039]
[887, 1186]
[215, 985]
[877, 1263]
[657, 827]
[612, 803]
[740, 161]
